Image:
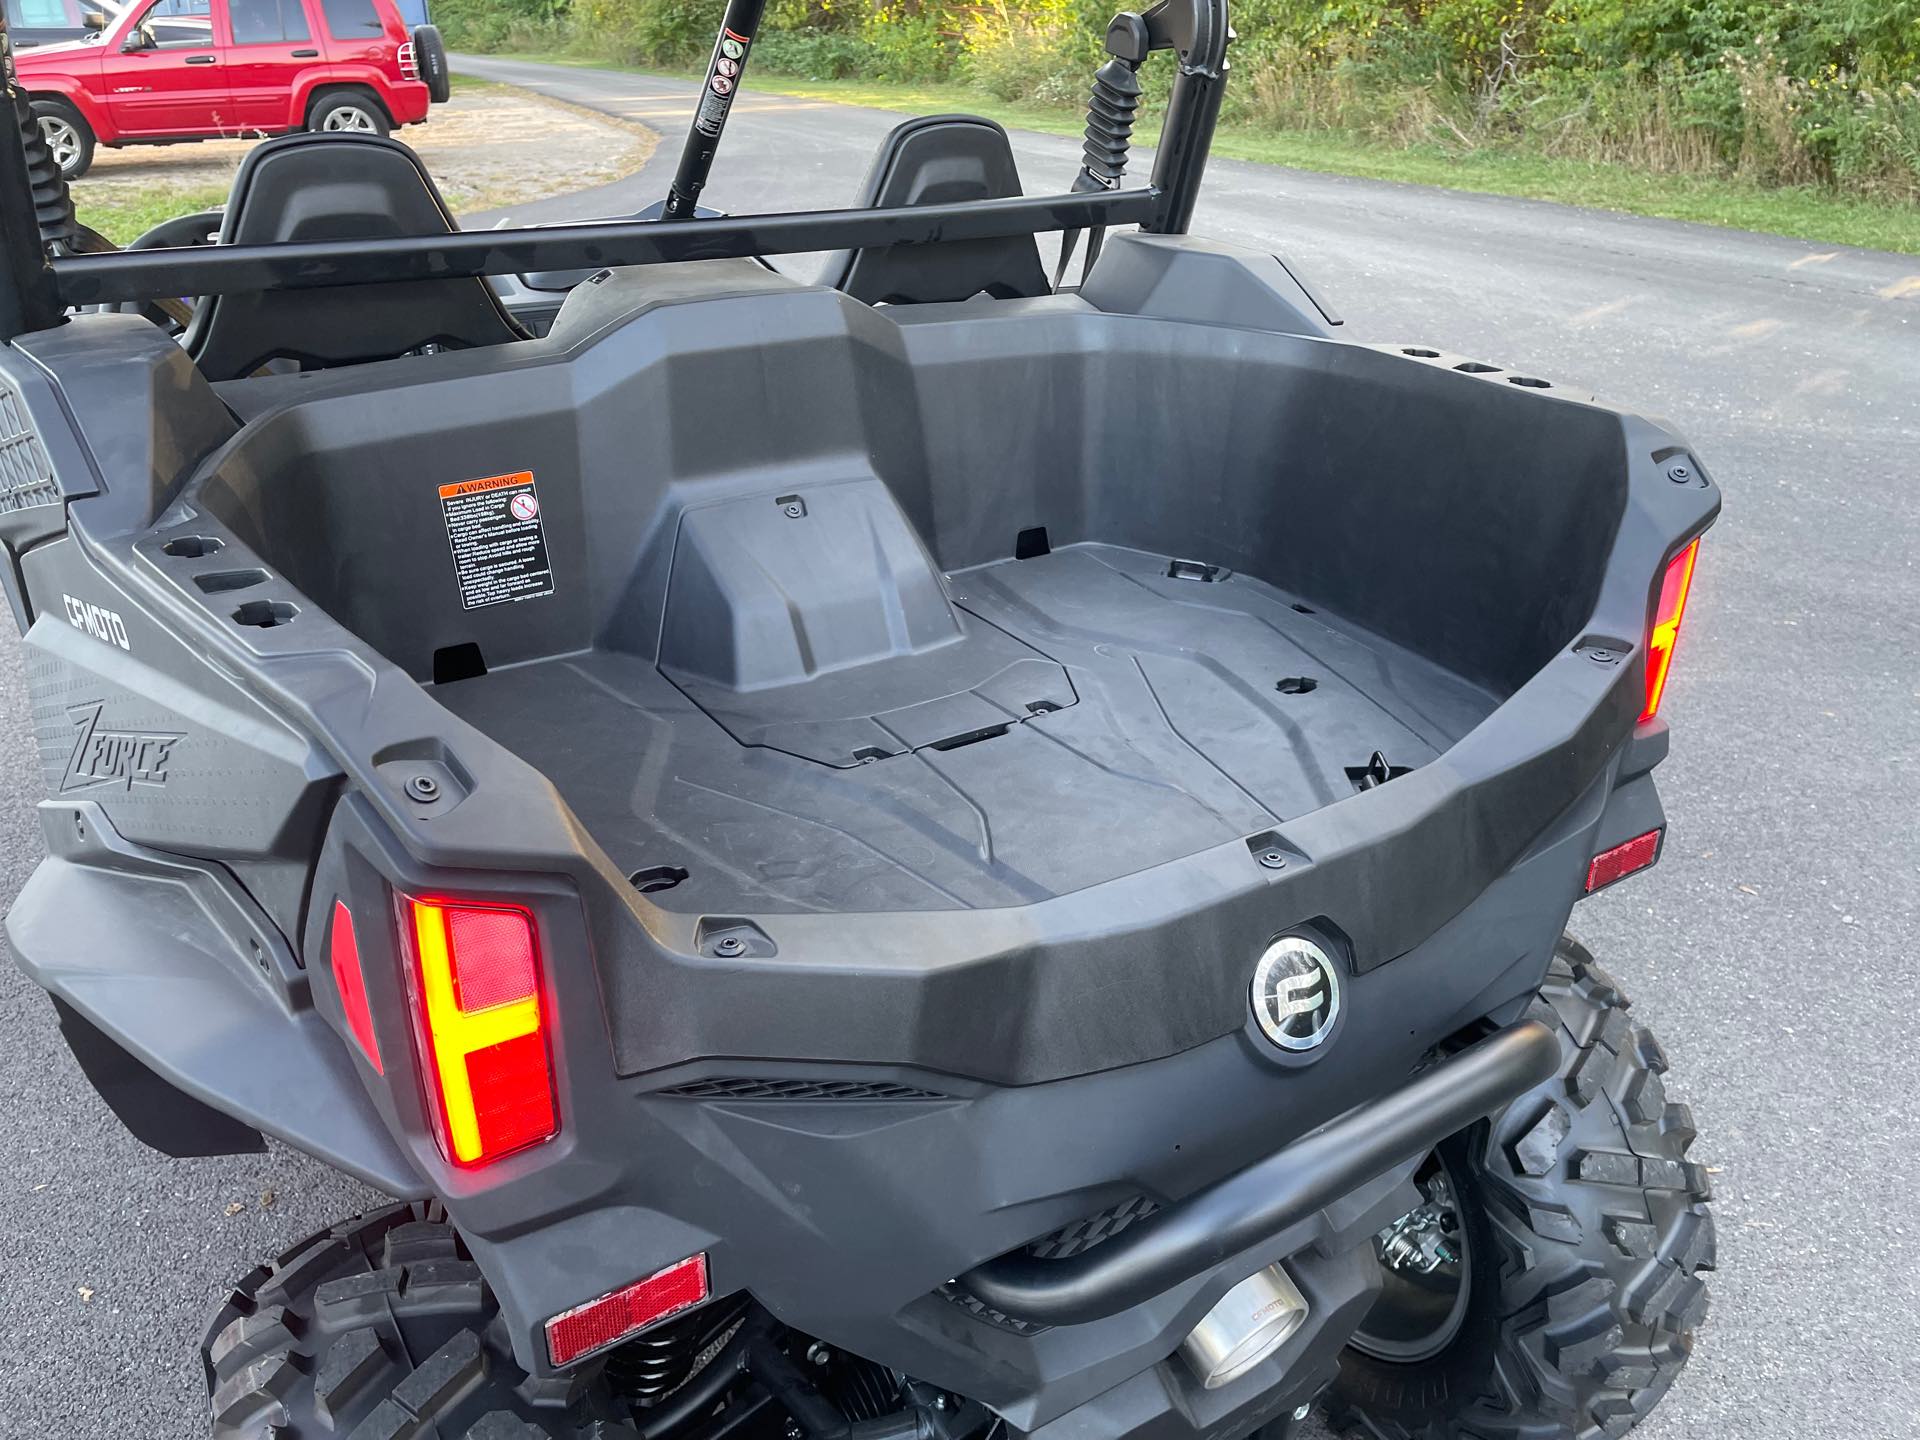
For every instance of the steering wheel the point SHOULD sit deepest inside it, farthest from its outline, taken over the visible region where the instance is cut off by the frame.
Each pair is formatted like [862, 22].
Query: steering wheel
[183, 231]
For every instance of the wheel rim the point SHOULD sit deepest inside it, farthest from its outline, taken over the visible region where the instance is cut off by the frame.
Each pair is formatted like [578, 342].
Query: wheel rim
[63, 140]
[1420, 1311]
[349, 117]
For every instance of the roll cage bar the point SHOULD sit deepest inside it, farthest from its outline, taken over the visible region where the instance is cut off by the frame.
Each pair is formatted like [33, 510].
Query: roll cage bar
[36, 286]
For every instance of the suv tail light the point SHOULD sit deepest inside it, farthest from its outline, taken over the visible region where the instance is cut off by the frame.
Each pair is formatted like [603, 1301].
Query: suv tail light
[409, 60]
[475, 976]
[1664, 632]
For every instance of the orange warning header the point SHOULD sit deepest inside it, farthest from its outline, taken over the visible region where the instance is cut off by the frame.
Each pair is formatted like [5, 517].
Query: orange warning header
[492, 482]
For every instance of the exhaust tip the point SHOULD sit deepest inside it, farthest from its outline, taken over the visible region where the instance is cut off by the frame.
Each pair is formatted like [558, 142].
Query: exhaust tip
[1252, 1320]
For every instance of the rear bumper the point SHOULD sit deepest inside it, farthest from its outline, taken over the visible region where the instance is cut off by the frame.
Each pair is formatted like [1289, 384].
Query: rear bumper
[408, 101]
[1286, 1188]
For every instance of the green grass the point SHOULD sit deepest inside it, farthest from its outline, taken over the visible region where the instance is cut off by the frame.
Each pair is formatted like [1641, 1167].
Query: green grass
[1803, 213]
[121, 219]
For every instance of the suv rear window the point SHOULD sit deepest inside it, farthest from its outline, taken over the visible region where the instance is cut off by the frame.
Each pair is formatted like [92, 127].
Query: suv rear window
[267, 22]
[352, 19]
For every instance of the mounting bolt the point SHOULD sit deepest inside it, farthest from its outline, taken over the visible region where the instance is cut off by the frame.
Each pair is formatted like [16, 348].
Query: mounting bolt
[818, 1354]
[793, 512]
[1303, 1412]
[1602, 657]
[1679, 474]
[1273, 860]
[423, 788]
[729, 945]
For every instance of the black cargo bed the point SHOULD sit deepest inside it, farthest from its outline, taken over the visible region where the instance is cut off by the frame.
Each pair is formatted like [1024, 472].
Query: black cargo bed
[1178, 708]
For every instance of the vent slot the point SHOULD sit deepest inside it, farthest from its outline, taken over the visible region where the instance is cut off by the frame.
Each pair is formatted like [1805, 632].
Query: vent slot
[753, 1087]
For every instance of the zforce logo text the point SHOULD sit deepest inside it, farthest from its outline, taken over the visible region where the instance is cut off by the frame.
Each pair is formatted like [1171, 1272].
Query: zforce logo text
[125, 758]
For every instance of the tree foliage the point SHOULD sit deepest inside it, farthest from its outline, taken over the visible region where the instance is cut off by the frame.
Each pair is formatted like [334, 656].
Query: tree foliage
[1789, 91]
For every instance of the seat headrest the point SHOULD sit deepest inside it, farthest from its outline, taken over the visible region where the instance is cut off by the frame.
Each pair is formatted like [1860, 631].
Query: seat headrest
[941, 160]
[338, 187]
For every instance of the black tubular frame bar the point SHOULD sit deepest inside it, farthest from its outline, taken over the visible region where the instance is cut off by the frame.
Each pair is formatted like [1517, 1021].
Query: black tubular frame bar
[1201, 1232]
[290, 265]
[32, 292]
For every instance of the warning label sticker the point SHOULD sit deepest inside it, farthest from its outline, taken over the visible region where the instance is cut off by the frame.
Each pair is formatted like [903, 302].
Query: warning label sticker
[499, 543]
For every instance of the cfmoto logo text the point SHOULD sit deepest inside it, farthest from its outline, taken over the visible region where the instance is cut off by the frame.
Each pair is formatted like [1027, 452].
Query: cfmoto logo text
[97, 621]
[1296, 993]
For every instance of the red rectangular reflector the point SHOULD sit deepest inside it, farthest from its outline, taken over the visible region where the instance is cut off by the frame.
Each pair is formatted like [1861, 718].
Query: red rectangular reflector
[343, 953]
[1627, 858]
[613, 1317]
[492, 956]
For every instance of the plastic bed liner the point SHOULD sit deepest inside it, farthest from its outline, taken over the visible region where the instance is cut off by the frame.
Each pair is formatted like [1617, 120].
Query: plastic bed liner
[1156, 708]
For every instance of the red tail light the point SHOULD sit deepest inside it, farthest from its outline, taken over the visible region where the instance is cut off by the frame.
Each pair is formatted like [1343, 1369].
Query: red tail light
[409, 59]
[599, 1323]
[1665, 630]
[476, 978]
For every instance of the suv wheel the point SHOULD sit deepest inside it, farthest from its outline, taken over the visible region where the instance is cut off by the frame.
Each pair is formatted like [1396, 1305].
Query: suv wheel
[69, 138]
[1549, 1286]
[349, 113]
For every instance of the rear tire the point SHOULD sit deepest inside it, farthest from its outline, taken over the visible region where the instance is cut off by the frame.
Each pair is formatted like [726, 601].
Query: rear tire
[1585, 1233]
[68, 136]
[348, 112]
[380, 1327]
[430, 54]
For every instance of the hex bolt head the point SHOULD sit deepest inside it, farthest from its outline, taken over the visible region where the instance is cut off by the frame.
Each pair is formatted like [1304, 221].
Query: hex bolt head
[1273, 860]
[423, 788]
[729, 945]
[1679, 474]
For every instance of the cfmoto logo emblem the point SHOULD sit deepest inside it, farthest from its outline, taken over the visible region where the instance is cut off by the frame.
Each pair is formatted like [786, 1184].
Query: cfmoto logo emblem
[1296, 993]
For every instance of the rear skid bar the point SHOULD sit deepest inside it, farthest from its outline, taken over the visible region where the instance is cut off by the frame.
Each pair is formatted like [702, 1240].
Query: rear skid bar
[1203, 1230]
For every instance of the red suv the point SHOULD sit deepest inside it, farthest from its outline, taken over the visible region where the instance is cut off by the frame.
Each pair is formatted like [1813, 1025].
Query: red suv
[163, 71]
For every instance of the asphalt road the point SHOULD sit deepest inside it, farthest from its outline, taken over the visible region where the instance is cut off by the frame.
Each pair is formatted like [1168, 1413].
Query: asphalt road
[1774, 949]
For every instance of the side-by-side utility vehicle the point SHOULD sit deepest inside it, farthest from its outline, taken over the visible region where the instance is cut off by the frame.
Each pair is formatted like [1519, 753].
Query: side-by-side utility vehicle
[971, 849]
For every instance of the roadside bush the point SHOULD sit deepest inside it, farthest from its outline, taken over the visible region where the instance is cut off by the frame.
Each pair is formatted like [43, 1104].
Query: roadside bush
[1041, 51]
[501, 25]
[814, 54]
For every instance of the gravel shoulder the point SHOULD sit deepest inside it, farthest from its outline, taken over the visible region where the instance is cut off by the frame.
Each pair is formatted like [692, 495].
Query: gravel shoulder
[490, 145]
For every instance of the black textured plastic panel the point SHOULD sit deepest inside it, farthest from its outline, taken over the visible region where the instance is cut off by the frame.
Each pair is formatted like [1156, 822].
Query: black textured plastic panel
[748, 1087]
[26, 474]
[1179, 740]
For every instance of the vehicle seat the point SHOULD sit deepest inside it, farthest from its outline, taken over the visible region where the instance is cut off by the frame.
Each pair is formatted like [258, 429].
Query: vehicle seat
[338, 187]
[941, 160]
